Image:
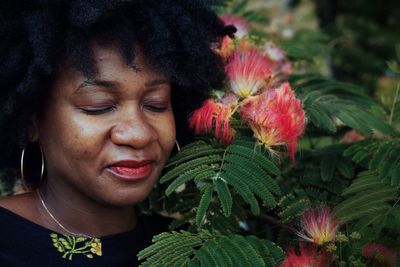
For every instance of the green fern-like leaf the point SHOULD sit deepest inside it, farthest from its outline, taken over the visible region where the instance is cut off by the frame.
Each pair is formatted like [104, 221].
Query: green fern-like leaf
[236, 253]
[168, 256]
[357, 206]
[345, 167]
[251, 253]
[193, 152]
[294, 210]
[262, 250]
[204, 203]
[327, 168]
[221, 256]
[380, 155]
[205, 249]
[254, 156]
[367, 195]
[224, 196]
[252, 182]
[395, 179]
[241, 167]
[390, 163]
[190, 165]
[292, 205]
[321, 119]
[169, 240]
[365, 181]
[206, 257]
[181, 262]
[243, 190]
[178, 256]
[254, 173]
[383, 158]
[194, 263]
[325, 100]
[202, 171]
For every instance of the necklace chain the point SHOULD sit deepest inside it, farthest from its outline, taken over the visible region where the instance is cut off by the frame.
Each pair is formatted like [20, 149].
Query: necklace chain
[58, 222]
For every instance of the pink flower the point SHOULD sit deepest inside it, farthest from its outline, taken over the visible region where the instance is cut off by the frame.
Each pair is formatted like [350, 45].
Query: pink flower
[276, 117]
[382, 255]
[240, 23]
[308, 257]
[286, 68]
[248, 72]
[202, 119]
[274, 52]
[319, 226]
[352, 136]
[215, 115]
[226, 47]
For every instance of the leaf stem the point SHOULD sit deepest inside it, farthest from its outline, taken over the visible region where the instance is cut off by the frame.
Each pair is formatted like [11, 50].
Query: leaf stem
[223, 160]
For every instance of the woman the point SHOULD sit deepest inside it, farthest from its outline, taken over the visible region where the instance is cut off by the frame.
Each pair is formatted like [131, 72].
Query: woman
[90, 93]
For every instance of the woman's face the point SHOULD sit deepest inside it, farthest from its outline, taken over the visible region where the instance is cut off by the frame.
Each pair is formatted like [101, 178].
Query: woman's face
[108, 138]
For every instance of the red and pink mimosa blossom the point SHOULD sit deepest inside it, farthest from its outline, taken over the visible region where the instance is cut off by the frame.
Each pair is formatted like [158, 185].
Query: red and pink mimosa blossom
[202, 119]
[319, 226]
[380, 254]
[215, 115]
[248, 72]
[308, 257]
[240, 23]
[276, 117]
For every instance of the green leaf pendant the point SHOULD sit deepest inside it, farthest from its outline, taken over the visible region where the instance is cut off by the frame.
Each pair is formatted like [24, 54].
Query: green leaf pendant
[73, 245]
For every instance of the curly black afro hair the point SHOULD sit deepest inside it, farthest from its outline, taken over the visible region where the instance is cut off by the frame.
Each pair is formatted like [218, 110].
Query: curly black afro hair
[38, 35]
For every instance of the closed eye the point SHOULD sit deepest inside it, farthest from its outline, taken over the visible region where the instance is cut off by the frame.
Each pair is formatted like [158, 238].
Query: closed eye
[97, 110]
[155, 108]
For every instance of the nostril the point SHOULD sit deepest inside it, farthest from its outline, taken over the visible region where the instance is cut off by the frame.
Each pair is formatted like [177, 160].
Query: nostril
[135, 134]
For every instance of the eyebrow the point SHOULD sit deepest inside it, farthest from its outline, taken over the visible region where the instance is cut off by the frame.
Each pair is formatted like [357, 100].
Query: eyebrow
[112, 85]
[95, 82]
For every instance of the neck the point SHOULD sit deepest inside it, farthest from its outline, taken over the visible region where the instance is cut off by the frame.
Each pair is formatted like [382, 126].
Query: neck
[81, 215]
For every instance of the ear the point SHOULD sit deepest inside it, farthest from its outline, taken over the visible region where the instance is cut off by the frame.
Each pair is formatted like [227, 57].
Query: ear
[33, 128]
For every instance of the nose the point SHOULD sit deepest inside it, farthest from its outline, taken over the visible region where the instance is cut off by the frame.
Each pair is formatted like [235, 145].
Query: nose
[133, 129]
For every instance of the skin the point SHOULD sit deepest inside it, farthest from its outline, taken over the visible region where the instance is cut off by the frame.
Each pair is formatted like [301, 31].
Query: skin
[87, 125]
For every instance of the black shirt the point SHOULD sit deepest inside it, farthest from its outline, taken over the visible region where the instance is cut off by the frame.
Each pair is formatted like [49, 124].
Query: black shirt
[24, 243]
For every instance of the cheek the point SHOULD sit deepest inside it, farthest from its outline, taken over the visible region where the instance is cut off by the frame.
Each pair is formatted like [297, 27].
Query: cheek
[73, 137]
[167, 134]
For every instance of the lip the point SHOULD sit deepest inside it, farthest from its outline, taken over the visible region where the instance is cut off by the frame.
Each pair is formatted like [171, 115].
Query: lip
[131, 170]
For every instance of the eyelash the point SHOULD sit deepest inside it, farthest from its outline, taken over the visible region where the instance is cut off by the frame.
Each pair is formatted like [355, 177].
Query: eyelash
[155, 108]
[97, 111]
[102, 110]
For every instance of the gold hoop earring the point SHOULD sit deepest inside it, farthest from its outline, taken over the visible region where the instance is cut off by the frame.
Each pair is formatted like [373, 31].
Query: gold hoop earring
[178, 147]
[25, 182]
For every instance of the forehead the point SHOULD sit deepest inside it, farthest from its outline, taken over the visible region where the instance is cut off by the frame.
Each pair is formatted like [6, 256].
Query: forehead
[110, 62]
[110, 66]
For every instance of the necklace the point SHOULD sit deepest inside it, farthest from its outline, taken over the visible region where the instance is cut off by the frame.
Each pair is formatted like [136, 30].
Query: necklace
[57, 221]
[75, 244]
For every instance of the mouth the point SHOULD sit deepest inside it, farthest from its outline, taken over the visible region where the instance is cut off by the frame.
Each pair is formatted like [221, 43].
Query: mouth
[131, 170]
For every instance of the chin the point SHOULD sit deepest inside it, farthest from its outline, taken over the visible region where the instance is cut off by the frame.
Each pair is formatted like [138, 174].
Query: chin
[126, 197]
